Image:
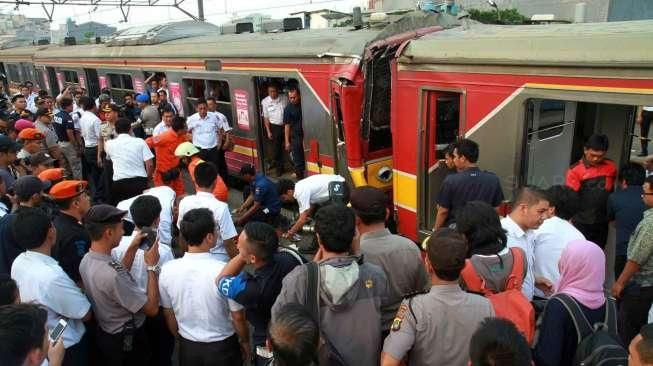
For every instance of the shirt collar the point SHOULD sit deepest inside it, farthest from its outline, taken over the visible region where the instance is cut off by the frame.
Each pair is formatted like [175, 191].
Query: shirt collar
[445, 289]
[40, 257]
[201, 193]
[193, 256]
[512, 226]
[99, 256]
[648, 212]
[376, 234]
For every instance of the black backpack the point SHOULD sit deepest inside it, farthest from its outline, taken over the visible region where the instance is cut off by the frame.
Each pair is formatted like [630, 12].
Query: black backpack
[327, 353]
[597, 344]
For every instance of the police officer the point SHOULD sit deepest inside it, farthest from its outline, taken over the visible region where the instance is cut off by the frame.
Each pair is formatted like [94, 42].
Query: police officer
[262, 202]
[119, 304]
[72, 240]
[257, 245]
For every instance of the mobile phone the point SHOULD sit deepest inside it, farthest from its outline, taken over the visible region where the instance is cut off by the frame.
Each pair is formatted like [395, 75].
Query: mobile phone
[58, 331]
[148, 241]
[264, 352]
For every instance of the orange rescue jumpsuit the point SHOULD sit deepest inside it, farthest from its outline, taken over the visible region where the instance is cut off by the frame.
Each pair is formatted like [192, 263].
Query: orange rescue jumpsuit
[164, 148]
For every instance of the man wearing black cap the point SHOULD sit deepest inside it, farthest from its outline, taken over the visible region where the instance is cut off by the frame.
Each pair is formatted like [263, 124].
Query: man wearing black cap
[398, 256]
[65, 129]
[435, 328]
[119, 305]
[51, 141]
[29, 190]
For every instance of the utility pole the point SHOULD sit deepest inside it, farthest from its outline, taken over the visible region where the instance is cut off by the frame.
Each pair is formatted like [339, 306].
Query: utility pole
[200, 10]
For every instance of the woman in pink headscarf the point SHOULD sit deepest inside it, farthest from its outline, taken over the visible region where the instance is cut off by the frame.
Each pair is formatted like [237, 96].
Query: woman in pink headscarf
[582, 273]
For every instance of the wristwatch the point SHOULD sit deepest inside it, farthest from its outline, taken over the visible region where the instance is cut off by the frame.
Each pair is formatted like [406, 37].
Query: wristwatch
[156, 269]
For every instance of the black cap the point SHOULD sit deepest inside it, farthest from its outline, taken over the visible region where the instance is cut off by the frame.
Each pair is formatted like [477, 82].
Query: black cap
[41, 158]
[43, 112]
[104, 214]
[6, 142]
[368, 199]
[4, 115]
[29, 185]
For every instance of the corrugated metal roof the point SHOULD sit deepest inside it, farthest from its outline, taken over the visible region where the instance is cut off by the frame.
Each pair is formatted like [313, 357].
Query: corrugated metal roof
[296, 44]
[587, 44]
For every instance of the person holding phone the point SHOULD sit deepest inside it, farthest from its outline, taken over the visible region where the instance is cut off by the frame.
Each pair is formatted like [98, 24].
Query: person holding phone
[41, 280]
[120, 306]
[145, 213]
[24, 339]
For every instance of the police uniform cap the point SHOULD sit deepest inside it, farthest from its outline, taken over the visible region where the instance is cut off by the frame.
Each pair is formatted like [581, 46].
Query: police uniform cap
[30, 134]
[6, 142]
[368, 199]
[111, 108]
[68, 189]
[43, 112]
[104, 214]
[29, 185]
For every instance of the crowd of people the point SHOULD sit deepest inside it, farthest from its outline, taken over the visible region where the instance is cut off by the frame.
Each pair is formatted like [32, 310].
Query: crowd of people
[116, 222]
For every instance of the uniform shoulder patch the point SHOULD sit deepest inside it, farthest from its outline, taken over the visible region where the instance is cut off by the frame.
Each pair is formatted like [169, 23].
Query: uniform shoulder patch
[399, 317]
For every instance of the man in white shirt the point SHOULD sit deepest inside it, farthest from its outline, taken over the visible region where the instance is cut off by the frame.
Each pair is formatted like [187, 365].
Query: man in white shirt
[187, 289]
[91, 129]
[205, 177]
[225, 136]
[41, 280]
[166, 197]
[272, 108]
[552, 236]
[166, 122]
[530, 208]
[132, 163]
[145, 212]
[309, 193]
[207, 130]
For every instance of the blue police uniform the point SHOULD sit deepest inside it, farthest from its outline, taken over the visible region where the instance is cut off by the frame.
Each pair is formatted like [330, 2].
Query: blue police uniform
[265, 193]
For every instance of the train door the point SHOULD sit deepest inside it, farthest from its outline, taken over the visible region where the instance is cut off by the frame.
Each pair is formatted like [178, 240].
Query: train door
[440, 128]
[92, 83]
[3, 77]
[266, 150]
[340, 163]
[549, 140]
[52, 79]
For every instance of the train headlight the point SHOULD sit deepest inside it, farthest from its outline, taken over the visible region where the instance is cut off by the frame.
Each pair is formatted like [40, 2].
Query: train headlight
[384, 174]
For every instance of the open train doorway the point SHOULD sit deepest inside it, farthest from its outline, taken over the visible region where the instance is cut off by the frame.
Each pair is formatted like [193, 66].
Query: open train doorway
[271, 100]
[441, 126]
[558, 129]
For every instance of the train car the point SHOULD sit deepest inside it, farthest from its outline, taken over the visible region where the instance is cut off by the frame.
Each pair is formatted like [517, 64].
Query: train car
[17, 66]
[529, 95]
[198, 61]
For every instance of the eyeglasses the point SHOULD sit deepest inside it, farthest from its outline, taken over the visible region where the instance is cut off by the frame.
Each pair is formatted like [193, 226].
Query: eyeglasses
[646, 194]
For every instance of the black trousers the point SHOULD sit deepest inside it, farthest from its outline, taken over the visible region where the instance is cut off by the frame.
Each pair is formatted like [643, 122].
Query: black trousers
[647, 117]
[223, 169]
[297, 151]
[94, 174]
[596, 233]
[210, 155]
[278, 142]
[225, 352]
[112, 353]
[633, 310]
[163, 343]
[127, 188]
[77, 355]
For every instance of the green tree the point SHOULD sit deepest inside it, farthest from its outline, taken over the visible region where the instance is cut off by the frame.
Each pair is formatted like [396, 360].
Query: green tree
[507, 16]
[88, 36]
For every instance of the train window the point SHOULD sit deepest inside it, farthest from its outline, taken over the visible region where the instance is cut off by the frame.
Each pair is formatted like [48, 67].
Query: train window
[14, 74]
[70, 76]
[546, 117]
[219, 89]
[121, 85]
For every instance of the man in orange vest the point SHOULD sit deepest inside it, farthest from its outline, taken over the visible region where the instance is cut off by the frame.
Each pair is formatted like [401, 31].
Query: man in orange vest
[189, 155]
[167, 163]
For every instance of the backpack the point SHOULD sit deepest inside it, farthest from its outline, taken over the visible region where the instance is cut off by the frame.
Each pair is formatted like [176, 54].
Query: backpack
[598, 344]
[510, 304]
[327, 353]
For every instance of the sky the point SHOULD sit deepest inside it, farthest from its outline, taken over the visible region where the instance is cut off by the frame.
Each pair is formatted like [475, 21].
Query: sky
[215, 11]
